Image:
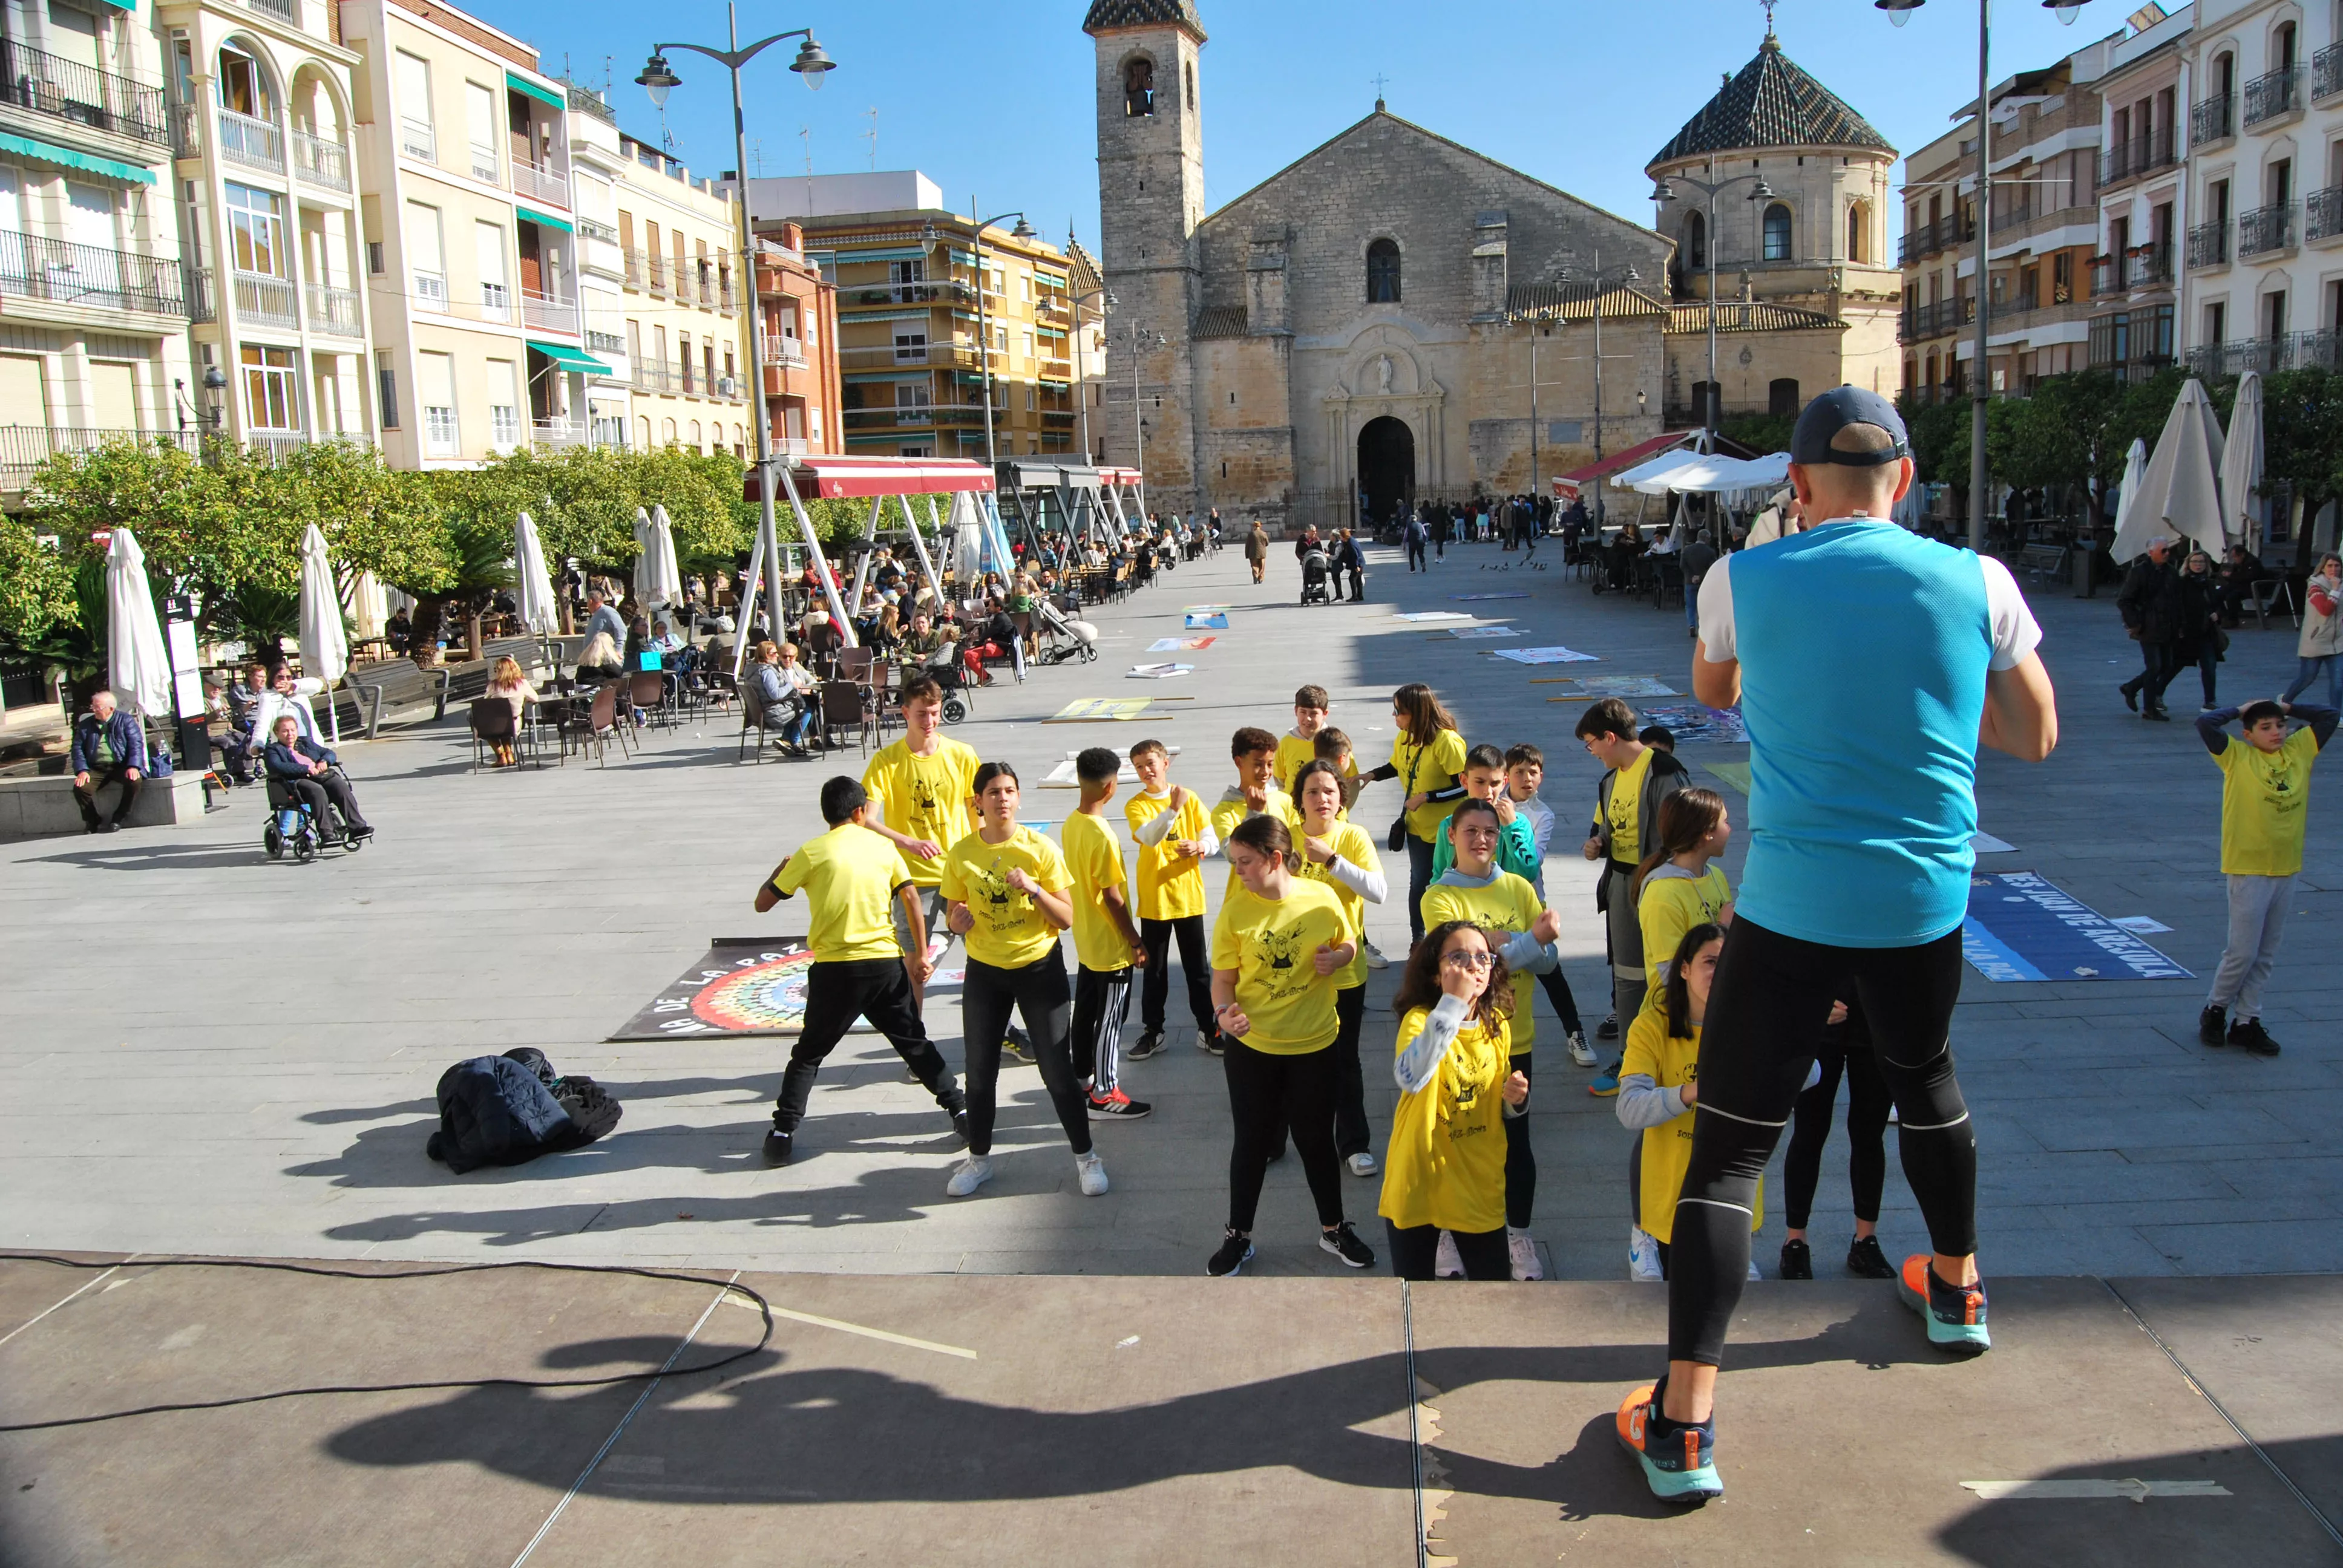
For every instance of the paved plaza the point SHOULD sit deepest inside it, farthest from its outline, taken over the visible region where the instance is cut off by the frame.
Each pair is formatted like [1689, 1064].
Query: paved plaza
[209, 1053]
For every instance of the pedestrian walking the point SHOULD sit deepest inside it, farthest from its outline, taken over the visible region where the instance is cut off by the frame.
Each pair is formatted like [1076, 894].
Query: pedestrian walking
[2149, 603]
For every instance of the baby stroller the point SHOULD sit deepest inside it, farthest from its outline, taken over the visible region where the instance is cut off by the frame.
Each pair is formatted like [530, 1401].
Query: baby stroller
[294, 825]
[1315, 570]
[950, 673]
[1064, 639]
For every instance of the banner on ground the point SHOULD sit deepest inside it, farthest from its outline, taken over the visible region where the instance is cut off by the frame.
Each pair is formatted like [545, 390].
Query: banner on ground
[1554, 655]
[741, 985]
[1091, 709]
[2020, 927]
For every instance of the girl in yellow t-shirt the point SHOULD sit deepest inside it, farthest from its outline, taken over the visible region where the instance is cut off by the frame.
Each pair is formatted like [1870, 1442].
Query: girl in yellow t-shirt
[1341, 855]
[1005, 889]
[1445, 1170]
[1277, 948]
[1679, 885]
[1658, 1088]
[1427, 759]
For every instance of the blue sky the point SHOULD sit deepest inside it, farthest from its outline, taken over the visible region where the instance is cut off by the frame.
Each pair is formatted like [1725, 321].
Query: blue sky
[995, 100]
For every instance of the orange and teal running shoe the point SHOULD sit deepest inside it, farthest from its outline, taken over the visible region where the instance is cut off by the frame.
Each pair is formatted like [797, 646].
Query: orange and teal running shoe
[1678, 1460]
[1954, 1314]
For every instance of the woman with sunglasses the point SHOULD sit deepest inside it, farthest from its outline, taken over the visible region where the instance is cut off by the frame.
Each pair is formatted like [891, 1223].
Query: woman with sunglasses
[1428, 759]
[1444, 1175]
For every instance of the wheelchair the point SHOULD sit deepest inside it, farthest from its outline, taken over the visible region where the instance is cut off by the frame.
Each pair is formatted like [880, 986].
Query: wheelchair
[294, 825]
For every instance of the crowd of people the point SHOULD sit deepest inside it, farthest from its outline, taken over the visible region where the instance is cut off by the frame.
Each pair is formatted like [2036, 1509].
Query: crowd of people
[2179, 606]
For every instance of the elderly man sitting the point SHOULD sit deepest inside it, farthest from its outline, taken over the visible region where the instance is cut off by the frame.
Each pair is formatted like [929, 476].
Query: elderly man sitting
[108, 748]
[313, 774]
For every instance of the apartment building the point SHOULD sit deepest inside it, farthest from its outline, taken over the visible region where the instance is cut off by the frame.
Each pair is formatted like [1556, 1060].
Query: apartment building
[1087, 295]
[260, 100]
[598, 167]
[797, 310]
[922, 320]
[683, 305]
[465, 210]
[93, 305]
[2136, 328]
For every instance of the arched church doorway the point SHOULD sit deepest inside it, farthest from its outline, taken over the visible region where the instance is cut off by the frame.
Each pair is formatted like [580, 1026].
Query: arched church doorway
[1386, 466]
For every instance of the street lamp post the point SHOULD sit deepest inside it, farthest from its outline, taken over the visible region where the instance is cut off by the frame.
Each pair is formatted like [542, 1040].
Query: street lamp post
[1139, 340]
[983, 328]
[1539, 320]
[1712, 405]
[658, 79]
[1981, 379]
[1106, 308]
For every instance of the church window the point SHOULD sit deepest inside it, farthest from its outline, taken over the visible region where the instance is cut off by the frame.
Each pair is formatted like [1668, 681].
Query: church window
[1695, 241]
[1138, 86]
[1858, 219]
[1383, 273]
[1782, 397]
[1777, 233]
[1191, 69]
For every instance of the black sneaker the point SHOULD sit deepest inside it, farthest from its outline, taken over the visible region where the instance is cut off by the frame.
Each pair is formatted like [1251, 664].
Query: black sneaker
[1148, 1045]
[2130, 696]
[2247, 1034]
[1344, 1243]
[1236, 1252]
[960, 1126]
[777, 1147]
[1208, 1041]
[1797, 1260]
[1114, 1105]
[1608, 1028]
[2159, 713]
[1015, 1043]
[2213, 1026]
[1864, 1261]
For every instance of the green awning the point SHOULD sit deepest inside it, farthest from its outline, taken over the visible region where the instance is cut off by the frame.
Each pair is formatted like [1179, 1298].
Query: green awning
[530, 215]
[42, 152]
[570, 358]
[542, 95]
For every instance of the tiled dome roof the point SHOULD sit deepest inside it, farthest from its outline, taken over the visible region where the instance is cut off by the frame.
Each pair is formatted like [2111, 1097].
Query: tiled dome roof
[1110, 13]
[1771, 104]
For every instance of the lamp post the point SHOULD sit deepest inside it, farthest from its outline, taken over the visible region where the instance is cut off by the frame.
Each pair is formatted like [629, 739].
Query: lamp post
[1899, 11]
[1139, 340]
[1106, 308]
[658, 79]
[1539, 320]
[1712, 405]
[983, 325]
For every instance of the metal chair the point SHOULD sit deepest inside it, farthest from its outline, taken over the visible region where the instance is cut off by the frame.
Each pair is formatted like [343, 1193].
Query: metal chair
[842, 707]
[2265, 593]
[647, 689]
[493, 724]
[598, 726]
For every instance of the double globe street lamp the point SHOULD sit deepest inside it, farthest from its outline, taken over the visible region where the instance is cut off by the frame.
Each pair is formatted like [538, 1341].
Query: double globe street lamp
[1713, 403]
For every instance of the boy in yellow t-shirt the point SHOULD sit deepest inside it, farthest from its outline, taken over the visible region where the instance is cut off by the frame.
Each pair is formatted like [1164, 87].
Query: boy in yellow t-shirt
[920, 788]
[1106, 944]
[852, 877]
[1300, 744]
[2265, 805]
[1171, 839]
[1254, 794]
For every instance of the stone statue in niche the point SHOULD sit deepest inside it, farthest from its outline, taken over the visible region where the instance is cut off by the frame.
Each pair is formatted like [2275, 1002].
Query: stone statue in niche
[1384, 374]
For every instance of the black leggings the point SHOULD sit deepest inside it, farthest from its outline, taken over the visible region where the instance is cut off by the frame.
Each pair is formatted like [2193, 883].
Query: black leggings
[1039, 992]
[1521, 1162]
[1419, 877]
[1867, 1129]
[1483, 1252]
[1267, 1095]
[1195, 968]
[1771, 999]
[1350, 1133]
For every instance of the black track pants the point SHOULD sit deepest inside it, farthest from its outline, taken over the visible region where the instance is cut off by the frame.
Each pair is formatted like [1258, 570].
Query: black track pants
[836, 995]
[1039, 992]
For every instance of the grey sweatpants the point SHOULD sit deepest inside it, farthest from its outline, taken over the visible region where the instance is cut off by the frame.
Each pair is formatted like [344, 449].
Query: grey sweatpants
[1626, 947]
[2258, 907]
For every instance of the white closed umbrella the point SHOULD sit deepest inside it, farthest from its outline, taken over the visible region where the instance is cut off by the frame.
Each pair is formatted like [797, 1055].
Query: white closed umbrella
[646, 562]
[2180, 493]
[967, 543]
[324, 646]
[2135, 472]
[136, 666]
[670, 576]
[2242, 461]
[538, 612]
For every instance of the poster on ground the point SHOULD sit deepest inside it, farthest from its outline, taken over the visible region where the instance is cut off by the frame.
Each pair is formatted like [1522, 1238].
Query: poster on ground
[741, 986]
[1553, 655]
[1095, 709]
[2022, 927]
[1482, 633]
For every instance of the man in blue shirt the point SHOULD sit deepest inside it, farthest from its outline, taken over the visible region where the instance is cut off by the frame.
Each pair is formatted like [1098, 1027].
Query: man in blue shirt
[1869, 665]
[108, 748]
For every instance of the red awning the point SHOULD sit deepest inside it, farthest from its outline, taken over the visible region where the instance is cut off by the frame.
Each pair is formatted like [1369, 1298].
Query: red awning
[1569, 483]
[1120, 477]
[845, 476]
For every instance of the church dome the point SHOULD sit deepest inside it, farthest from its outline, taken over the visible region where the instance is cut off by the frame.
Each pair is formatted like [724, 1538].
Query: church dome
[1772, 104]
[1105, 15]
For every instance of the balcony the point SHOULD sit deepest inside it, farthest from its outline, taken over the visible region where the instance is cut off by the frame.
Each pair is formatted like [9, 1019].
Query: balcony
[265, 301]
[2265, 229]
[944, 293]
[2208, 245]
[548, 313]
[786, 352]
[2149, 266]
[82, 93]
[320, 163]
[496, 302]
[2213, 120]
[255, 143]
[918, 417]
[2318, 350]
[280, 9]
[486, 166]
[560, 433]
[588, 100]
[335, 311]
[961, 355]
[649, 378]
[1926, 321]
[1929, 240]
[2010, 309]
[275, 445]
[790, 445]
[32, 267]
[540, 184]
[595, 228]
[2326, 72]
[2270, 97]
[604, 342]
[2323, 214]
[24, 447]
[2138, 157]
[647, 270]
[2264, 354]
[416, 139]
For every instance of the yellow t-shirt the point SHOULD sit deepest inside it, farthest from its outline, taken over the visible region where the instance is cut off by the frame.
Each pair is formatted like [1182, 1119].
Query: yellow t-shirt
[1425, 770]
[1352, 843]
[2264, 797]
[850, 875]
[1169, 888]
[924, 798]
[1292, 751]
[1666, 1153]
[1446, 1162]
[1673, 905]
[1009, 931]
[1270, 945]
[1626, 811]
[1094, 856]
[1505, 907]
[1228, 814]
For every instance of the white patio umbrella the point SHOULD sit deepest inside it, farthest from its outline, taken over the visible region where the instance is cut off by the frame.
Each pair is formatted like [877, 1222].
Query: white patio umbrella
[1653, 468]
[967, 542]
[671, 574]
[2128, 491]
[2180, 492]
[324, 646]
[538, 612]
[137, 666]
[2242, 461]
[657, 580]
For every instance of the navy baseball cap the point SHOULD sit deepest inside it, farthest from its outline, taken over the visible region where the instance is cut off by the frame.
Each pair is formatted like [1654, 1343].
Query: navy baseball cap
[1833, 411]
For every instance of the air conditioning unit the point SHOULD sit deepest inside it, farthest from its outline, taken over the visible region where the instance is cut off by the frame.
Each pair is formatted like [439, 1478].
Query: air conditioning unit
[727, 386]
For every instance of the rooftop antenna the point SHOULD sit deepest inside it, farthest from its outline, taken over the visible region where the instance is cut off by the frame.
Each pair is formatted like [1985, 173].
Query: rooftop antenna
[871, 135]
[757, 155]
[1381, 82]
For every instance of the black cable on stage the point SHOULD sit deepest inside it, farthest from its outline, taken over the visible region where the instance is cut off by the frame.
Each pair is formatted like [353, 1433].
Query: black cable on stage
[764, 1308]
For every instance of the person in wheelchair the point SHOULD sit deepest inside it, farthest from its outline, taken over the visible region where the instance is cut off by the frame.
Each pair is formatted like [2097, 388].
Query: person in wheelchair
[303, 772]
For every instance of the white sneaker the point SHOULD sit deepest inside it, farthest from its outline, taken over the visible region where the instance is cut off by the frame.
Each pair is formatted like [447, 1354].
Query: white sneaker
[1753, 1269]
[1580, 1053]
[1447, 1264]
[1643, 1256]
[974, 1171]
[1363, 1165]
[1090, 1170]
[1522, 1252]
[1375, 960]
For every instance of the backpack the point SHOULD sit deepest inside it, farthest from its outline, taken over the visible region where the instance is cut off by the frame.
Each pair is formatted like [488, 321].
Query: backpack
[508, 1110]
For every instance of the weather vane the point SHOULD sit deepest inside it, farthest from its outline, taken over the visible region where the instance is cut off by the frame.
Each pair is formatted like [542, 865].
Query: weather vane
[1769, 16]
